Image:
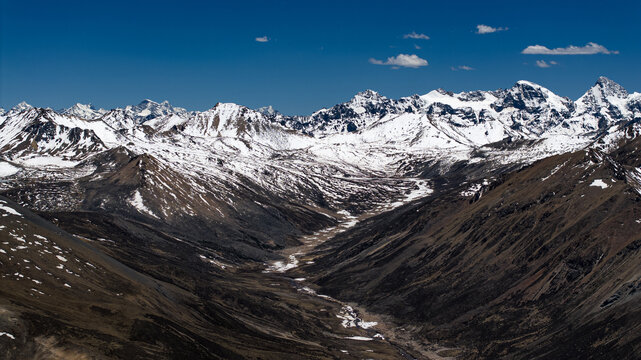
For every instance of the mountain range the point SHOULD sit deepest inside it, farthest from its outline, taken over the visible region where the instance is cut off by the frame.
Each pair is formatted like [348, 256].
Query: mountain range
[482, 224]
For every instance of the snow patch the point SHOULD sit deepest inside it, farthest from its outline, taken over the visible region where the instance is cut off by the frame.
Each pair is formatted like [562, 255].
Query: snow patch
[472, 190]
[281, 267]
[557, 168]
[48, 161]
[350, 319]
[359, 338]
[422, 189]
[7, 169]
[2, 333]
[137, 202]
[8, 209]
[599, 183]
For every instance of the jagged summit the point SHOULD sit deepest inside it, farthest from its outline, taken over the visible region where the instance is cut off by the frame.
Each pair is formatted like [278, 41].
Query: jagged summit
[527, 83]
[151, 109]
[368, 94]
[610, 88]
[268, 111]
[84, 111]
[21, 107]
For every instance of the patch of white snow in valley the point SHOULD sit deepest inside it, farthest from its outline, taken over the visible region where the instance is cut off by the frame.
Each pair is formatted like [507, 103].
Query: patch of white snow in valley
[422, 189]
[212, 261]
[472, 190]
[360, 338]
[281, 267]
[7, 169]
[344, 212]
[350, 319]
[307, 290]
[350, 222]
[44, 161]
[557, 168]
[2, 333]
[8, 210]
[137, 202]
[599, 183]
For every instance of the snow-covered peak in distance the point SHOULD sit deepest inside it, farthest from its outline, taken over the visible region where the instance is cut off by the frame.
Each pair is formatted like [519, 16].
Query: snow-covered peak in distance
[268, 111]
[604, 104]
[133, 115]
[476, 117]
[20, 107]
[528, 95]
[369, 95]
[364, 108]
[149, 109]
[610, 88]
[83, 111]
[369, 132]
[224, 119]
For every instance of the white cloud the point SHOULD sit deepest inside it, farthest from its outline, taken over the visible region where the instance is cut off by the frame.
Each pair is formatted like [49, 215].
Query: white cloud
[262, 39]
[485, 29]
[542, 64]
[414, 35]
[462, 67]
[417, 47]
[404, 60]
[589, 49]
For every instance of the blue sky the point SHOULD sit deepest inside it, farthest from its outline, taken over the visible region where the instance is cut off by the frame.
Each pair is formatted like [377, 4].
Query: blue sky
[114, 53]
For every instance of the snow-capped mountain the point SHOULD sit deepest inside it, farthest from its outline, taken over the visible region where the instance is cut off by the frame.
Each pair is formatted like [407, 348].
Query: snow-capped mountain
[83, 111]
[35, 131]
[18, 109]
[605, 104]
[134, 115]
[268, 111]
[378, 132]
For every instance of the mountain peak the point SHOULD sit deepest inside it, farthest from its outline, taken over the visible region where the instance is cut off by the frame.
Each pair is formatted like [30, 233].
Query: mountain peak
[83, 111]
[525, 83]
[21, 107]
[368, 94]
[146, 102]
[268, 110]
[610, 88]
